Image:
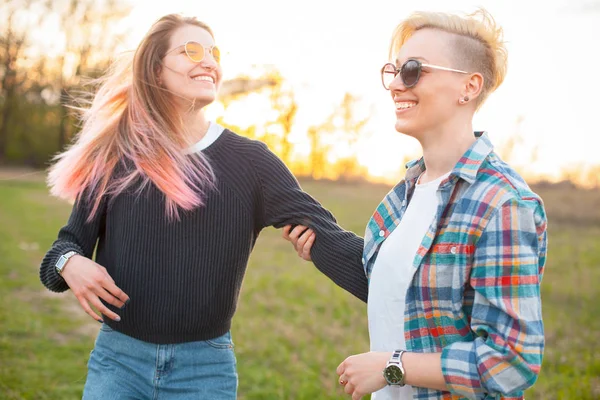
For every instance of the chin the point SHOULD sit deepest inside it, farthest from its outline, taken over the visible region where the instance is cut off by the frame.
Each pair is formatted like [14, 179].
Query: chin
[406, 128]
[204, 99]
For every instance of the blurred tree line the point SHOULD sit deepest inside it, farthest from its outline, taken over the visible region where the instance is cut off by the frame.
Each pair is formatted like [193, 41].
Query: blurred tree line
[39, 76]
[342, 128]
[49, 49]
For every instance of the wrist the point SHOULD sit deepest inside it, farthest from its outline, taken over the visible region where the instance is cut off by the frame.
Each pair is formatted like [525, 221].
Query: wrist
[386, 357]
[406, 360]
[424, 370]
[65, 260]
[393, 372]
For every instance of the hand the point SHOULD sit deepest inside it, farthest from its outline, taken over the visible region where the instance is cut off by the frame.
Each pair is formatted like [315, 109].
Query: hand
[302, 239]
[363, 373]
[90, 282]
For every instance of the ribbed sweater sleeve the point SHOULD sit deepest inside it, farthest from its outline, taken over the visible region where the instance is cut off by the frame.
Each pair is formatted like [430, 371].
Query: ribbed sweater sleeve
[77, 235]
[336, 252]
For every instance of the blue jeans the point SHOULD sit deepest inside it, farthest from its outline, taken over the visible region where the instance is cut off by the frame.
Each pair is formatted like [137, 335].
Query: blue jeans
[124, 368]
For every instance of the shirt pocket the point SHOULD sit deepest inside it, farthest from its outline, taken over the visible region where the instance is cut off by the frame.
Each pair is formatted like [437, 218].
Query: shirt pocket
[447, 266]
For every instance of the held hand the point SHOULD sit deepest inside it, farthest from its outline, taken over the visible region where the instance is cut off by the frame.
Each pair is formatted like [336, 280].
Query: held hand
[90, 282]
[362, 374]
[302, 239]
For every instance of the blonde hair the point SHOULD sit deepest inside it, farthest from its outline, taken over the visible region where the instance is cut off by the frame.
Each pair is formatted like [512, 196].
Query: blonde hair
[479, 45]
[132, 121]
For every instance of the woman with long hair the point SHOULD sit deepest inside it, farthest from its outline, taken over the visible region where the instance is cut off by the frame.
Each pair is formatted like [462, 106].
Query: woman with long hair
[172, 205]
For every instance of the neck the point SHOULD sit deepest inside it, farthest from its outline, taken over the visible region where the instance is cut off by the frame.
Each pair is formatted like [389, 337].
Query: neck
[195, 123]
[443, 148]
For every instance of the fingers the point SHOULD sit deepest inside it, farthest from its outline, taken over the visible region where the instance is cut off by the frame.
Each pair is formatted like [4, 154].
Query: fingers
[290, 234]
[297, 231]
[307, 246]
[285, 232]
[95, 301]
[349, 388]
[299, 237]
[301, 243]
[341, 368]
[101, 284]
[91, 298]
[120, 297]
[106, 295]
[295, 234]
[87, 309]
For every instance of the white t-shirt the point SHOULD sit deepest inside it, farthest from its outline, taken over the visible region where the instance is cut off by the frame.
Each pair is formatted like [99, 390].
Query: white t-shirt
[391, 276]
[212, 134]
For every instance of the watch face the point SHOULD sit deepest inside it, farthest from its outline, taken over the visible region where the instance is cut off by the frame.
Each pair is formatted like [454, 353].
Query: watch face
[60, 263]
[393, 374]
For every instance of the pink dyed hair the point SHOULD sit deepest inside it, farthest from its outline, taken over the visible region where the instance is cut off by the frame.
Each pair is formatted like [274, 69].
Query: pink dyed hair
[133, 121]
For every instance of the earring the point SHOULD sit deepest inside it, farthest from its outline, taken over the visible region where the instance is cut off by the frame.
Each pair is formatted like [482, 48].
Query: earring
[463, 100]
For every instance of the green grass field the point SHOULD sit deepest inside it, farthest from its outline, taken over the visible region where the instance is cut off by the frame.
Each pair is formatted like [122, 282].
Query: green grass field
[293, 326]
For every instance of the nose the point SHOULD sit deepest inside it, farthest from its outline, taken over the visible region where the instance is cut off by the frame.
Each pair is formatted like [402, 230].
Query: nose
[396, 85]
[210, 65]
[209, 61]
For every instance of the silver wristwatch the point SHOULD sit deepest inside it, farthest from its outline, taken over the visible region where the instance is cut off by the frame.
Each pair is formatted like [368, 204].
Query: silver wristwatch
[394, 371]
[62, 261]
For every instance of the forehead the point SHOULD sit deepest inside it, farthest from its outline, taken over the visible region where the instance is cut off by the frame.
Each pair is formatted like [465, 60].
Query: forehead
[191, 32]
[432, 45]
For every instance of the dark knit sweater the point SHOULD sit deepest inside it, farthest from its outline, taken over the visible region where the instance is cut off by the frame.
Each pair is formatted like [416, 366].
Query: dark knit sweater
[184, 277]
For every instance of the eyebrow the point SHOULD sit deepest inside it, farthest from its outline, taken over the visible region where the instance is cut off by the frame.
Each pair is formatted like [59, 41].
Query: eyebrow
[413, 58]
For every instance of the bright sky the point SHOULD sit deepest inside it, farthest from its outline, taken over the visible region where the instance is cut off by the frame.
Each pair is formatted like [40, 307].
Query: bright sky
[328, 47]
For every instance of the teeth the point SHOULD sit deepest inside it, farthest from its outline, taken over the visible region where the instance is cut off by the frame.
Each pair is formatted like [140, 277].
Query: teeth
[204, 78]
[402, 105]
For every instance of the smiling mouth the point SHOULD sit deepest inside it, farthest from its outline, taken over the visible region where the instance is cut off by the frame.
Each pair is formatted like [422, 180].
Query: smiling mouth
[404, 105]
[203, 78]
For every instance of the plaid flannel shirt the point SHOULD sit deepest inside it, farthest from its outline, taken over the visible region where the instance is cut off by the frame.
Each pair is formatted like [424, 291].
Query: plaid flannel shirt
[475, 295]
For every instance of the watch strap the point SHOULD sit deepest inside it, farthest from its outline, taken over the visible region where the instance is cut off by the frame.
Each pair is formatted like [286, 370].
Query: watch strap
[396, 357]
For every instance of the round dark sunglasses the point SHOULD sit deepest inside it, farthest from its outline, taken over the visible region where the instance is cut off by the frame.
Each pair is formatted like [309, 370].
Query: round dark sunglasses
[410, 72]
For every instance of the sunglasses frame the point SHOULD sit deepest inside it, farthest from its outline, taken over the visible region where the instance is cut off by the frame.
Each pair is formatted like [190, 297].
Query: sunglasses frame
[420, 65]
[205, 48]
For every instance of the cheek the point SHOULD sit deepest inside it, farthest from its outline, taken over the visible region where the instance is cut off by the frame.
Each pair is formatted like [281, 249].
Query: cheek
[171, 81]
[178, 67]
[438, 99]
[163, 77]
[175, 77]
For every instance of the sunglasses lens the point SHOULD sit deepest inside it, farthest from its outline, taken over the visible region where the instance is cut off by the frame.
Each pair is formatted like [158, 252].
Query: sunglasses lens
[216, 53]
[195, 51]
[410, 73]
[388, 73]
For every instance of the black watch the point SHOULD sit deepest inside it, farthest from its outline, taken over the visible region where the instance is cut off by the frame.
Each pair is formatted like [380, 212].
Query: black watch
[394, 371]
